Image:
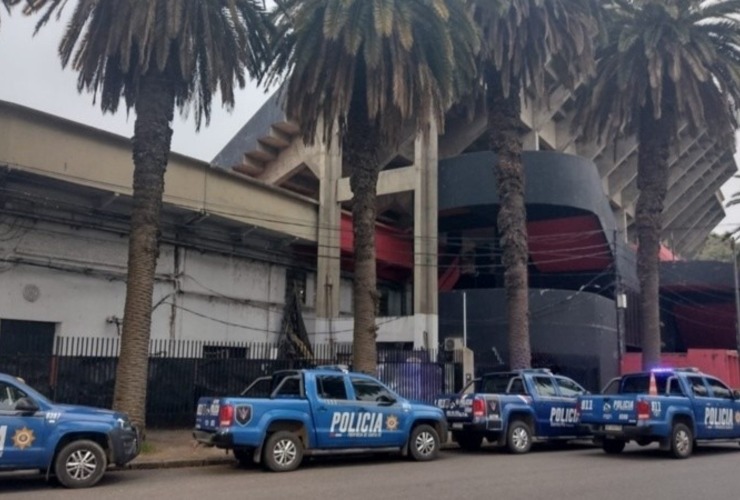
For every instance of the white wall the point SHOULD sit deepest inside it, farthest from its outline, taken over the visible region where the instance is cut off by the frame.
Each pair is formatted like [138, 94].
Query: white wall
[79, 275]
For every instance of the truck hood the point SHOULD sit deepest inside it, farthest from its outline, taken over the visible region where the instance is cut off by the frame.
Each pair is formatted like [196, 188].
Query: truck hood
[87, 412]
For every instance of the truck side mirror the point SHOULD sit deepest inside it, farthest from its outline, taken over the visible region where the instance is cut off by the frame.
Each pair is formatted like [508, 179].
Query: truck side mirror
[26, 405]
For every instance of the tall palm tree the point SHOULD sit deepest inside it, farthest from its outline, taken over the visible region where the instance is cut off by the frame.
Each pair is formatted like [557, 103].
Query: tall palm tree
[157, 55]
[666, 62]
[360, 69]
[522, 39]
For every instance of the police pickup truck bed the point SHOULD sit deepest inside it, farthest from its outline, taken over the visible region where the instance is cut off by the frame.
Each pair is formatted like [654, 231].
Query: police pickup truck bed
[673, 407]
[317, 411]
[73, 443]
[514, 409]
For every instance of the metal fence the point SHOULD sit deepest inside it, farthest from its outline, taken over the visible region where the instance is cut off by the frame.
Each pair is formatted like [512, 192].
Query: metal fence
[83, 370]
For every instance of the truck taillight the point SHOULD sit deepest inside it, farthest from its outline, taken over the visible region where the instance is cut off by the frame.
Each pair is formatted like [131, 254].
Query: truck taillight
[479, 407]
[225, 415]
[643, 410]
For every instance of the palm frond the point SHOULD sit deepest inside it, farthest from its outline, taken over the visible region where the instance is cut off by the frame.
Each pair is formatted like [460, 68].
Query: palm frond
[201, 46]
[407, 59]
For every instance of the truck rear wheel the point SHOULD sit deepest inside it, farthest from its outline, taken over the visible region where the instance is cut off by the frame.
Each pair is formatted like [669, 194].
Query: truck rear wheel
[468, 442]
[283, 452]
[613, 446]
[682, 441]
[424, 443]
[519, 437]
[80, 464]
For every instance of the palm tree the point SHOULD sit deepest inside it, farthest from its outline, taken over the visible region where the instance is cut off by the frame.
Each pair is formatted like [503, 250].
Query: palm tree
[521, 40]
[666, 62]
[360, 69]
[156, 55]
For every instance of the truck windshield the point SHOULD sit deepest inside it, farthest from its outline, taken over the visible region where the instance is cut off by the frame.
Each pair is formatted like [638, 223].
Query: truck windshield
[495, 383]
[640, 383]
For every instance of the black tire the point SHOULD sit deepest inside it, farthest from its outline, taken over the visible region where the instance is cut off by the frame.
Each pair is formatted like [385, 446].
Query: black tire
[283, 452]
[424, 443]
[80, 464]
[682, 441]
[519, 437]
[613, 446]
[468, 442]
[245, 456]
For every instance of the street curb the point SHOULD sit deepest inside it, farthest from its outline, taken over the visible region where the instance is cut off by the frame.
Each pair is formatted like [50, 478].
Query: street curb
[204, 462]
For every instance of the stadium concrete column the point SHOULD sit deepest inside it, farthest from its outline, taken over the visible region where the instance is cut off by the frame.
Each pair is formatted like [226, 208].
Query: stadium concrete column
[426, 298]
[328, 263]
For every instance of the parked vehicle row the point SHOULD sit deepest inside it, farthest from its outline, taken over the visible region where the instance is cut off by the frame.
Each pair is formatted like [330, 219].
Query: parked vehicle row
[280, 419]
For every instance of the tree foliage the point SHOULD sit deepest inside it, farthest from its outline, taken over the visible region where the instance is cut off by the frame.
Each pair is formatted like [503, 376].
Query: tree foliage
[525, 41]
[665, 63]
[358, 72]
[155, 55]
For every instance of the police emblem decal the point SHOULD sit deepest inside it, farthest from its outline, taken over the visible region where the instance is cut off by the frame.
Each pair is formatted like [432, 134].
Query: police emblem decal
[737, 418]
[243, 415]
[391, 423]
[23, 438]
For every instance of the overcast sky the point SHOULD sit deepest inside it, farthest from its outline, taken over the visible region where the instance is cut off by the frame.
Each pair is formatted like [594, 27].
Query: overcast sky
[31, 75]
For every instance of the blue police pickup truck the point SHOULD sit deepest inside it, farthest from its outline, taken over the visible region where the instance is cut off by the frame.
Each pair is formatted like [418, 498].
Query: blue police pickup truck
[294, 413]
[73, 443]
[514, 409]
[673, 407]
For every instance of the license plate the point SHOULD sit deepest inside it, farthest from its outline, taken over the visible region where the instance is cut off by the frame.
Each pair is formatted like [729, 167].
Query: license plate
[457, 425]
[613, 428]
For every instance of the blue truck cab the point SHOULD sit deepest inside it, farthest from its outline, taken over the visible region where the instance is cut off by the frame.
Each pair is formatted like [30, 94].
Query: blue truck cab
[295, 413]
[73, 443]
[514, 409]
[675, 407]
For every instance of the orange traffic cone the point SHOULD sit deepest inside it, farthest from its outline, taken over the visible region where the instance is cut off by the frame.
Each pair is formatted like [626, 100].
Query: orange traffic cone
[653, 389]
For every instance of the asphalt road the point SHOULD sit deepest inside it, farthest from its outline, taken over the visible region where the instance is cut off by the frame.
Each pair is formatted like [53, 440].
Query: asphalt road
[580, 473]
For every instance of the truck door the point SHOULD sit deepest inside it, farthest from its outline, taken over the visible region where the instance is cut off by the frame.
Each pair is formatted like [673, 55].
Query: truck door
[569, 392]
[549, 408]
[703, 404]
[723, 413]
[381, 416]
[331, 403]
[22, 435]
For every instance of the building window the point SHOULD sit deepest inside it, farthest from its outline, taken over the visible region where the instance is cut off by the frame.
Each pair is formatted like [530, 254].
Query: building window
[295, 282]
[391, 301]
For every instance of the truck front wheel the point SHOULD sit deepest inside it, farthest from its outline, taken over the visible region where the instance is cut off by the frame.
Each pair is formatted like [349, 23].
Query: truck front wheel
[468, 442]
[519, 437]
[424, 443]
[283, 452]
[682, 441]
[80, 464]
[613, 446]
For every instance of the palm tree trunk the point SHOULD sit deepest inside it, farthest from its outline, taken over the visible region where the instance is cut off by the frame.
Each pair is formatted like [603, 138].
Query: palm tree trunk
[151, 146]
[360, 149]
[505, 131]
[652, 181]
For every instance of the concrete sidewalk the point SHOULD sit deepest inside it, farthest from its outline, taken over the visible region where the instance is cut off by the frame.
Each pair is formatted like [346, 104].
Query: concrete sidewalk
[176, 448]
